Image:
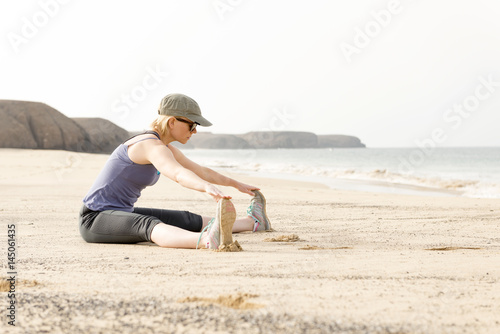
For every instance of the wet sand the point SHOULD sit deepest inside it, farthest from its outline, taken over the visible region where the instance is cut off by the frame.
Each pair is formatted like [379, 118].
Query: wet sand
[360, 262]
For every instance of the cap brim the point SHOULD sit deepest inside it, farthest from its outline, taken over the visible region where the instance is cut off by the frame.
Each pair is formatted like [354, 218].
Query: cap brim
[199, 119]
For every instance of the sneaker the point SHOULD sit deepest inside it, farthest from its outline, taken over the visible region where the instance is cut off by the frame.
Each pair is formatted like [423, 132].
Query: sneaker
[257, 210]
[219, 229]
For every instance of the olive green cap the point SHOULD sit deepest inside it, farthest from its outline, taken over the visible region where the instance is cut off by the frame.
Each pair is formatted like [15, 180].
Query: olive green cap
[183, 106]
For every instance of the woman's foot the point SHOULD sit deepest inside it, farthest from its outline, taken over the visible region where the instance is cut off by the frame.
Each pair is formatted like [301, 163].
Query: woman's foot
[257, 210]
[219, 230]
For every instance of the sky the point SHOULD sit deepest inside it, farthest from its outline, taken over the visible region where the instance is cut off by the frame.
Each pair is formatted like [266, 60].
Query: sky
[394, 73]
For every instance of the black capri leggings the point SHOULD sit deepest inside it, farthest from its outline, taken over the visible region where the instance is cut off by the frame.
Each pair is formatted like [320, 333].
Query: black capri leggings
[122, 227]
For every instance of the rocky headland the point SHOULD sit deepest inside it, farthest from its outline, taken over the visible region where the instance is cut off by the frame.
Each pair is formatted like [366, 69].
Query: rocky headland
[270, 139]
[35, 125]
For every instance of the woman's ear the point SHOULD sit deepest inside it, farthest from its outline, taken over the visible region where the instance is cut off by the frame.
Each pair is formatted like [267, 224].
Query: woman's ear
[170, 123]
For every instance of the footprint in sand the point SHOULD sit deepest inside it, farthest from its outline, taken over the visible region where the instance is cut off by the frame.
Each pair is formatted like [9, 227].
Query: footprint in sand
[238, 301]
[450, 248]
[5, 284]
[308, 247]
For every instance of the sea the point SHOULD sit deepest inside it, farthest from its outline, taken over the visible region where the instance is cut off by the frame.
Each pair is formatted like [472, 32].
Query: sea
[468, 172]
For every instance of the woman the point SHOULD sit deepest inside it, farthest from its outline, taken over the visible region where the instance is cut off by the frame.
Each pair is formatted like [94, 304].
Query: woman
[108, 214]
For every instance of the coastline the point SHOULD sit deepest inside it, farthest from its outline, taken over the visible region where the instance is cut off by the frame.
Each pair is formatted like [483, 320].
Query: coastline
[371, 186]
[467, 172]
[364, 262]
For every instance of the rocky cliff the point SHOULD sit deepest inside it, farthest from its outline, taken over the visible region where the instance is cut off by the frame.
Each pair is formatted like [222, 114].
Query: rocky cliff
[35, 125]
[258, 140]
[210, 141]
[103, 135]
[281, 139]
[339, 141]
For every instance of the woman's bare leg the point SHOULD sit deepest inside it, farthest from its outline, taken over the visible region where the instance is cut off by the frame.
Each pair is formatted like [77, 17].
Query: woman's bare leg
[173, 237]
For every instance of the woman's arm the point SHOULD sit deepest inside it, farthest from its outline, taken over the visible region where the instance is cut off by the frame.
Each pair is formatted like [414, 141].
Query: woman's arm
[163, 159]
[210, 175]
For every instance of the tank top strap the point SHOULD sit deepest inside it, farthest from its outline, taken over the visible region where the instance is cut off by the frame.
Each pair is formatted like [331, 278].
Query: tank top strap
[149, 132]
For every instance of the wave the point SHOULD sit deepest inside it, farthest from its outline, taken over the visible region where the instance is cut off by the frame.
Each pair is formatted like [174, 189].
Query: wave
[461, 186]
[465, 187]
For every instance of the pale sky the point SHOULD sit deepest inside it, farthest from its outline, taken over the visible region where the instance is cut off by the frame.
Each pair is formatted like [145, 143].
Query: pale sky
[393, 73]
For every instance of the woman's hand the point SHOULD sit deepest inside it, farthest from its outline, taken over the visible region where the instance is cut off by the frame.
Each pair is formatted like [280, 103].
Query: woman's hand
[215, 192]
[245, 188]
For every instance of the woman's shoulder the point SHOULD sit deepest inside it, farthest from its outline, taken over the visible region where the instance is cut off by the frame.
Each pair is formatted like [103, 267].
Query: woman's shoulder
[139, 147]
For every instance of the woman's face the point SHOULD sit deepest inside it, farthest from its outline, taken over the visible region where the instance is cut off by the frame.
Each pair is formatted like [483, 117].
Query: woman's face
[181, 129]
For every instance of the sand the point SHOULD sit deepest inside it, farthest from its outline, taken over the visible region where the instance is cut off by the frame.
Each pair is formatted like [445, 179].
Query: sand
[361, 262]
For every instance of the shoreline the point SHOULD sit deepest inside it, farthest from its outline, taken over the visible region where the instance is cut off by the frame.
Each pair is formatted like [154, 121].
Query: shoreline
[363, 262]
[371, 186]
[378, 171]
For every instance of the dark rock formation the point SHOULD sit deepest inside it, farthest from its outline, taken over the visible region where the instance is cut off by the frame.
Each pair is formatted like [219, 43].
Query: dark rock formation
[258, 140]
[275, 139]
[35, 125]
[103, 135]
[211, 141]
[264, 140]
[339, 141]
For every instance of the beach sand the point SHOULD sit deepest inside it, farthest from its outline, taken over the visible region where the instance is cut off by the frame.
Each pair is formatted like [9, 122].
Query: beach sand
[346, 262]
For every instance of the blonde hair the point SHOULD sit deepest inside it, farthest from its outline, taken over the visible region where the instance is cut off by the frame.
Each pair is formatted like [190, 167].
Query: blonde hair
[160, 124]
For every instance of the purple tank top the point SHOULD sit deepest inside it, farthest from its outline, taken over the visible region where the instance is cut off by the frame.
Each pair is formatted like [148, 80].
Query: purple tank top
[120, 182]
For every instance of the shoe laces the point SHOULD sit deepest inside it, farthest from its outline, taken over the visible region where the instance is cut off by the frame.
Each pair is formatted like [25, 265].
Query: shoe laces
[206, 228]
[255, 208]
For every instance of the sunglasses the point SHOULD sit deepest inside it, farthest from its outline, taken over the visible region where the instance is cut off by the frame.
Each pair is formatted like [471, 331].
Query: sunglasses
[192, 125]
